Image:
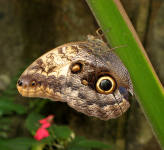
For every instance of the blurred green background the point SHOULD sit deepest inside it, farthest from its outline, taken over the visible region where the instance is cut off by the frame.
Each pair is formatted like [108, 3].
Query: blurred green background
[31, 28]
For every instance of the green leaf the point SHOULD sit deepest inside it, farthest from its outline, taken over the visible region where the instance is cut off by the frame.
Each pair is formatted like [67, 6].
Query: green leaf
[74, 145]
[49, 139]
[82, 143]
[4, 145]
[5, 126]
[8, 106]
[38, 146]
[118, 31]
[6, 98]
[93, 144]
[32, 122]
[78, 148]
[20, 143]
[61, 132]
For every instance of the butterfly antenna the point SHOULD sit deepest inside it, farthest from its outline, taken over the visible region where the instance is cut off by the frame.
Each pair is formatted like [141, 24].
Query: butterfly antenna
[111, 49]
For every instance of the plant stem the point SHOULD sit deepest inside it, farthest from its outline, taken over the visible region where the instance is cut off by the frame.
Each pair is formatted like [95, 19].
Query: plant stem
[118, 30]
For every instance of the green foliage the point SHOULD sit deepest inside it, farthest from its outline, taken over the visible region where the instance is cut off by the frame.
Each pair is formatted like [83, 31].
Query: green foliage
[21, 143]
[38, 146]
[7, 100]
[7, 106]
[5, 128]
[61, 137]
[92, 144]
[80, 143]
[32, 123]
[61, 132]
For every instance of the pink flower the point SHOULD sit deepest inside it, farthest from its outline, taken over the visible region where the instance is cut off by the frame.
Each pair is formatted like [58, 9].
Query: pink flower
[47, 119]
[42, 132]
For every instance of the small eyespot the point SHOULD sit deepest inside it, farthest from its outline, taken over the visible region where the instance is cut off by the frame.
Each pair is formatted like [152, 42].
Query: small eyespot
[20, 83]
[76, 68]
[105, 85]
[33, 83]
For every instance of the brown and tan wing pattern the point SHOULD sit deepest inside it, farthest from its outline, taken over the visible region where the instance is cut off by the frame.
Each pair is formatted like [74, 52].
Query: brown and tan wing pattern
[86, 75]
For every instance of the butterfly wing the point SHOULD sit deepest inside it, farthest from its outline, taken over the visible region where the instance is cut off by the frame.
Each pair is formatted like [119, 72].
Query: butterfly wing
[70, 73]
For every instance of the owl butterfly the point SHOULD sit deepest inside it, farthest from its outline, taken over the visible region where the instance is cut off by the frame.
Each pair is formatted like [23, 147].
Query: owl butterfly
[87, 75]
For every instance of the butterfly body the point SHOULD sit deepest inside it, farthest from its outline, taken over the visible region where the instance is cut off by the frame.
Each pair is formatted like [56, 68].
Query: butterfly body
[86, 75]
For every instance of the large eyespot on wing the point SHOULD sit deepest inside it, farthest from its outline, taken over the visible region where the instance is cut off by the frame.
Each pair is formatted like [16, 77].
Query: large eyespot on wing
[105, 85]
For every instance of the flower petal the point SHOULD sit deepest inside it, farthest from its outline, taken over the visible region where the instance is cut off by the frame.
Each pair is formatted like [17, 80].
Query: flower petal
[46, 125]
[47, 119]
[41, 133]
